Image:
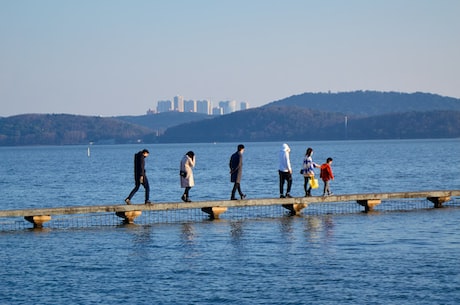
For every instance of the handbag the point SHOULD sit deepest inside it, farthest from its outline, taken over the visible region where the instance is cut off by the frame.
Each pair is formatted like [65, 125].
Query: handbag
[314, 183]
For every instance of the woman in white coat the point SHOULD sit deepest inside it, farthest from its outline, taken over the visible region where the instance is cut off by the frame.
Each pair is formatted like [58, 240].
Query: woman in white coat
[186, 174]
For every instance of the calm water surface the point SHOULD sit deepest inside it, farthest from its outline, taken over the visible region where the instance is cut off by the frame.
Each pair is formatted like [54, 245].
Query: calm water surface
[398, 257]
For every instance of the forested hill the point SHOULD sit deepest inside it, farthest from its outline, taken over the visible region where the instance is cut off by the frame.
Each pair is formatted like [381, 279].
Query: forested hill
[309, 116]
[292, 123]
[63, 129]
[369, 103]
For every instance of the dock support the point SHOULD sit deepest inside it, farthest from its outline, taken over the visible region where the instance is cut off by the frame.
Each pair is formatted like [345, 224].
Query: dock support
[38, 220]
[438, 201]
[369, 204]
[295, 208]
[129, 216]
[214, 212]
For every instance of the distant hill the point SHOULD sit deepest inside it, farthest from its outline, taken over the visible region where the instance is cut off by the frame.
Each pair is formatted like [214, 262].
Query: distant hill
[292, 123]
[369, 103]
[258, 124]
[63, 129]
[164, 120]
[309, 116]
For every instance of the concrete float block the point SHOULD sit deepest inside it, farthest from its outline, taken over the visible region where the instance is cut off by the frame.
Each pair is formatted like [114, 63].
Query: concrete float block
[129, 216]
[38, 220]
[214, 212]
[369, 204]
[295, 208]
[438, 201]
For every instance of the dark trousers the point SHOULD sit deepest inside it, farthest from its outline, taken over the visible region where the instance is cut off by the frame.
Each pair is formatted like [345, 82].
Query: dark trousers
[146, 186]
[187, 189]
[285, 176]
[306, 185]
[236, 187]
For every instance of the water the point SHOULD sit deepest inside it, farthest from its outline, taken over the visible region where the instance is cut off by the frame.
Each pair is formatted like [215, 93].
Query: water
[399, 257]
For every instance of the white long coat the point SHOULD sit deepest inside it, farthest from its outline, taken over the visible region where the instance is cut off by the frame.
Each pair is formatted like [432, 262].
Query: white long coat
[186, 165]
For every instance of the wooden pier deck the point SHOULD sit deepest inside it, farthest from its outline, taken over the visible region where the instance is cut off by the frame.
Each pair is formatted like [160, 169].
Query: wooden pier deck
[214, 208]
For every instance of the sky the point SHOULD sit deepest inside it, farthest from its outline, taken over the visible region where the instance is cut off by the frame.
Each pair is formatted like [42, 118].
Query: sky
[119, 57]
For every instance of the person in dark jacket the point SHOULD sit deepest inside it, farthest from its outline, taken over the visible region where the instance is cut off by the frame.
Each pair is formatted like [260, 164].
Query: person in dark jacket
[236, 171]
[139, 176]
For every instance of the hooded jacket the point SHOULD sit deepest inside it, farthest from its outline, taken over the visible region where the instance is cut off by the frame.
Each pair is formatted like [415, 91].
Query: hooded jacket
[284, 161]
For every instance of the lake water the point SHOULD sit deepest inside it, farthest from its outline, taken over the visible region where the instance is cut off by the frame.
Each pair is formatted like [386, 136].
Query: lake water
[387, 257]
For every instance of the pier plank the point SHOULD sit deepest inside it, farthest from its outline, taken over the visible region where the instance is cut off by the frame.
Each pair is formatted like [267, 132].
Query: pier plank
[297, 201]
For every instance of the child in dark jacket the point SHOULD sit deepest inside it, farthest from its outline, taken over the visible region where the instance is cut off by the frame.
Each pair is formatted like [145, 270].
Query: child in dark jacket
[326, 175]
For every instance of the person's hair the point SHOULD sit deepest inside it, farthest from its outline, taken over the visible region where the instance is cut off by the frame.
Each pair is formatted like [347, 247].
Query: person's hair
[328, 160]
[309, 151]
[191, 154]
[144, 151]
[240, 147]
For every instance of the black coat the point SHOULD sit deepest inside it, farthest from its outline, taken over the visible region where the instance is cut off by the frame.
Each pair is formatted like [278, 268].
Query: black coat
[139, 165]
[236, 167]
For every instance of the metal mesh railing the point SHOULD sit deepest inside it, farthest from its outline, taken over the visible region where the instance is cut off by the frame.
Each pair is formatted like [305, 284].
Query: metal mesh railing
[233, 213]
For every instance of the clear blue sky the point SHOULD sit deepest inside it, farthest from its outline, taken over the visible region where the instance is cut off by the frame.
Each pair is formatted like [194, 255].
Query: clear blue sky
[113, 57]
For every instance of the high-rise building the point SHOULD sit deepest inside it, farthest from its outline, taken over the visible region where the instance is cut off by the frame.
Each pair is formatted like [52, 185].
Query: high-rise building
[228, 106]
[244, 105]
[179, 103]
[203, 106]
[164, 106]
[190, 106]
[217, 111]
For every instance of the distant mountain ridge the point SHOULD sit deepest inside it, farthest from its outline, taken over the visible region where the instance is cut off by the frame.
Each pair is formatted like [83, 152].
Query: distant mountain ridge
[369, 103]
[66, 129]
[321, 116]
[308, 116]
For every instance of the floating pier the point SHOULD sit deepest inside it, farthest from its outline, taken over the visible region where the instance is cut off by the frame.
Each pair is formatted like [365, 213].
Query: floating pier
[215, 208]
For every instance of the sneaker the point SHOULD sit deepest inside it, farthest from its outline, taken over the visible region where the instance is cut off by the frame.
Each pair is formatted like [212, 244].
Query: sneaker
[288, 195]
[148, 202]
[233, 198]
[243, 196]
[128, 202]
[282, 196]
[330, 194]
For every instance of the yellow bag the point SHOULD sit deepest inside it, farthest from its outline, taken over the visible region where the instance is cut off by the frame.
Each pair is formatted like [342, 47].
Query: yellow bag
[314, 183]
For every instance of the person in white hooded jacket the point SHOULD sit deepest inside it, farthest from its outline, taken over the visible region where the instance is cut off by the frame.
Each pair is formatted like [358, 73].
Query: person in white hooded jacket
[285, 170]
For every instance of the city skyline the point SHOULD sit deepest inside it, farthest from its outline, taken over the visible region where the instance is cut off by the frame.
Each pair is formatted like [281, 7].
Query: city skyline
[180, 104]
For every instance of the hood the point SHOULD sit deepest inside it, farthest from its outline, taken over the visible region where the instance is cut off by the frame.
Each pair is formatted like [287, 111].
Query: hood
[285, 147]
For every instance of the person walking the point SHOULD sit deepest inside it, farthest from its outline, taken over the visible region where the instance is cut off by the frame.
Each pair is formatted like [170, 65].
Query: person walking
[140, 176]
[236, 171]
[186, 174]
[285, 170]
[308, 171]
[326, 175]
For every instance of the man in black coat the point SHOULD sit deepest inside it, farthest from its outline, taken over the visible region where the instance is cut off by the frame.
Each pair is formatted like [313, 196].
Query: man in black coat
[236, 171]
[139, 176]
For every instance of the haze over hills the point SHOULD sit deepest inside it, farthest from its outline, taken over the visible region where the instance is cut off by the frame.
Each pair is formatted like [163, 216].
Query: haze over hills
[308, 116]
